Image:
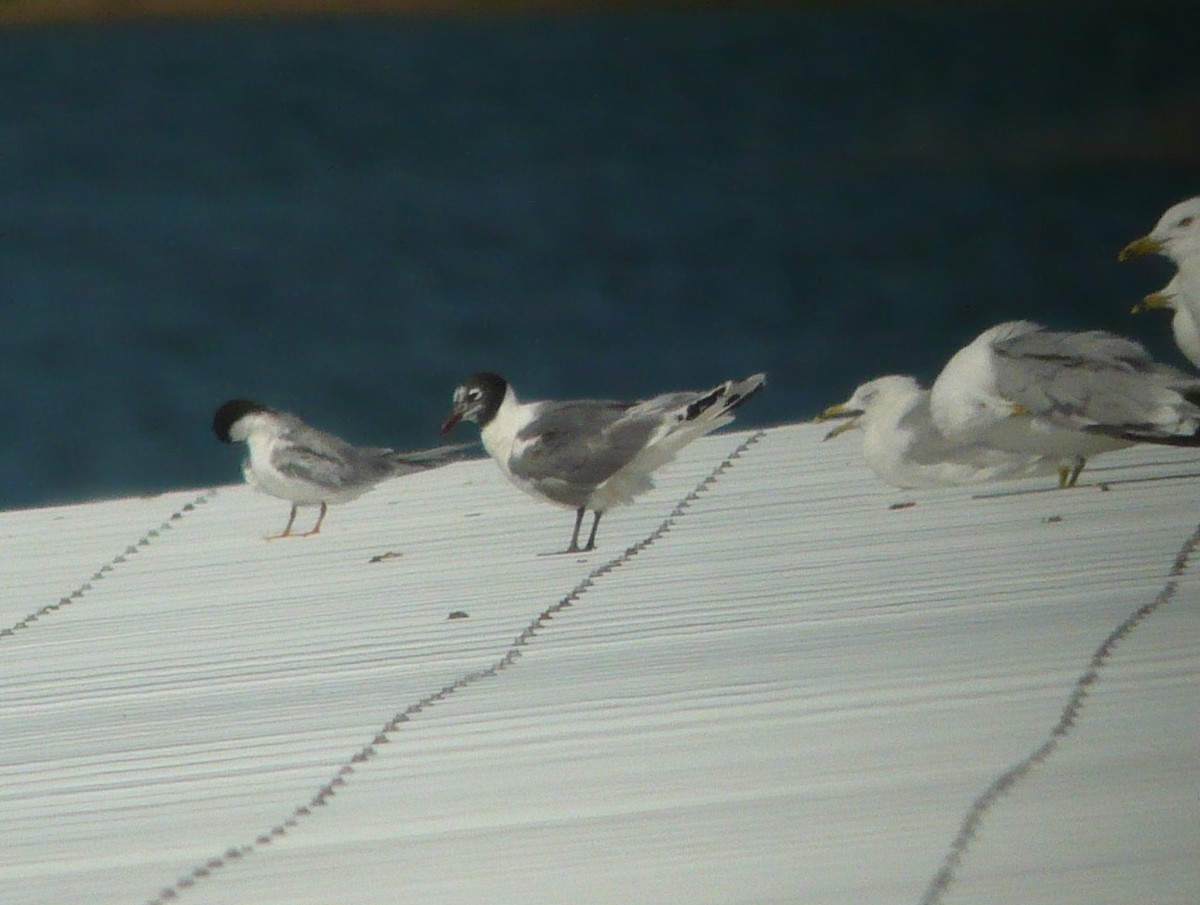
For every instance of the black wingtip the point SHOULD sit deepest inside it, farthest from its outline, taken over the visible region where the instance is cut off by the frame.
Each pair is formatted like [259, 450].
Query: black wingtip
[730, 395]
[703, 404]
[747, 388]
[1134, 434]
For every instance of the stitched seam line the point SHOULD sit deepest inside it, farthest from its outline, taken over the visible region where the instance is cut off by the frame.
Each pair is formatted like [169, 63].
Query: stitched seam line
[975, 815]
[105, 570]
[513, 653]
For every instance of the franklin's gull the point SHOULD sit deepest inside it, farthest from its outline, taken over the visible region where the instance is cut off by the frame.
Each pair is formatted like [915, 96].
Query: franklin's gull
[590, 454]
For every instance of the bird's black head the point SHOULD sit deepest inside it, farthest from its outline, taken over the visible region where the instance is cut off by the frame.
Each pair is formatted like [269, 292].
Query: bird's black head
[232, 412]
[477, 400]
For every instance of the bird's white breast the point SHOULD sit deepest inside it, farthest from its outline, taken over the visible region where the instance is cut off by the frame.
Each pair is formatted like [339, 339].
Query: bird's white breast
[499, 435]
[963, 400]
[258, 464]
[260, 473]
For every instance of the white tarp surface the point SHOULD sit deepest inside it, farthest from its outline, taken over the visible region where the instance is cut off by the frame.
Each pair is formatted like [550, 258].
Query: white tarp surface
[787, 692]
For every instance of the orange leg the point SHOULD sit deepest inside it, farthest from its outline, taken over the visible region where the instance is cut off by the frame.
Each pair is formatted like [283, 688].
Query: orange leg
[287, 532]
[316, 529]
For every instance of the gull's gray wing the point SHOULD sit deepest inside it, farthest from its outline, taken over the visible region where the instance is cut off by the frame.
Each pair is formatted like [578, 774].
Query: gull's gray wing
[582, 444]
[1090, 378]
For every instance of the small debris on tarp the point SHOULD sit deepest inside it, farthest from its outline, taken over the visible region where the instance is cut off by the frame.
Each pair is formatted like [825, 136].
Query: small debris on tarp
[391, 554]
[458, 614]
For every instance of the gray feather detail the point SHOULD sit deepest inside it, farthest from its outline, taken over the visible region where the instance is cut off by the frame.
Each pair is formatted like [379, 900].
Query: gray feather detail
[1097, 380]
[331, 463]
[424, 459]
[582, 444]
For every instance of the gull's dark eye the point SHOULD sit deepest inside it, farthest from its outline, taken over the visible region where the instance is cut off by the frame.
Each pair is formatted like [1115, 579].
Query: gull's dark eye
[473, 394]
[1186, 222]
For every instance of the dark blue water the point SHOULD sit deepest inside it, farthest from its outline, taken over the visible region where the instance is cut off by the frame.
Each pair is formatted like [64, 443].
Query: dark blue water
[345, 218]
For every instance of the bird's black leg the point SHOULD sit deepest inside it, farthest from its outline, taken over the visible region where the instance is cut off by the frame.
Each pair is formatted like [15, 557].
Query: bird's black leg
[574, 548]
[591, 544]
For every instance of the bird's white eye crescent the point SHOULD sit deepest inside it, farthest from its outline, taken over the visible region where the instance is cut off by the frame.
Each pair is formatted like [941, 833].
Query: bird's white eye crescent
[473, 394]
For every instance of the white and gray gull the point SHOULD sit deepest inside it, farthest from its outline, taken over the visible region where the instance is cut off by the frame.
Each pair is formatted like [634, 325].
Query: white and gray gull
[1176, 236]
[590, 454]
[1184, 324]
[904, 448]
[1025, 389]
[308, 467]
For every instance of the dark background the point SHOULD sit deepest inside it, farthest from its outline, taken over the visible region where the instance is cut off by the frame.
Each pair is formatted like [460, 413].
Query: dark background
[345, 217]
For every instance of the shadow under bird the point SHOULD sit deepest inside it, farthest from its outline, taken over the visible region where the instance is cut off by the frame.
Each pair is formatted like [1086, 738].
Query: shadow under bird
[590, 454]
[308, 467]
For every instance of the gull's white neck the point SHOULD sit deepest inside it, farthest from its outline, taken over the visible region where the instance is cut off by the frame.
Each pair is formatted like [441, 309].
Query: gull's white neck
[500, 434]
[1186, 285]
